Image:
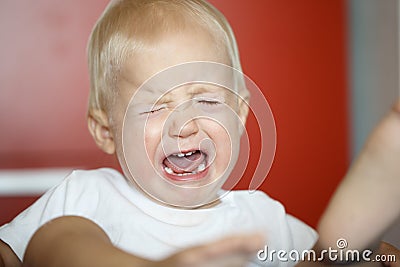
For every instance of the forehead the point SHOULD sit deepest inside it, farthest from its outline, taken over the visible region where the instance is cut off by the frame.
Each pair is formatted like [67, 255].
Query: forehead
[182, 94]
[189, 80]
[170, 50]
[189, 90]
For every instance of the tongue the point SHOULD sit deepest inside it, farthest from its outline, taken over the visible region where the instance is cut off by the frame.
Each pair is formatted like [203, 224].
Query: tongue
[184, 164]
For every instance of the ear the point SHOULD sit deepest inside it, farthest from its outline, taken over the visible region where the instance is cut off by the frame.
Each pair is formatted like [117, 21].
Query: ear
[99, 128]
[243, 105]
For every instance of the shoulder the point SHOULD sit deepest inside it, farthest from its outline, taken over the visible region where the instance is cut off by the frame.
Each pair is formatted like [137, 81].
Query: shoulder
[77, 194]
[254, 200]
[96, 176]
[84, 190]
[81, 193]
[91, 182]
[304, 237]
[292, 232]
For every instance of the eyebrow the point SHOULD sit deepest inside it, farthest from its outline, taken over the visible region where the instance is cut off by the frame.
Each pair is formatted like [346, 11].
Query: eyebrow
[192, 90]
[203, 88]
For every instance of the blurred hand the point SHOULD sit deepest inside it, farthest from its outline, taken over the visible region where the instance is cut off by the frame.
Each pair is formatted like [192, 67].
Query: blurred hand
[234, 251]
[387, 249]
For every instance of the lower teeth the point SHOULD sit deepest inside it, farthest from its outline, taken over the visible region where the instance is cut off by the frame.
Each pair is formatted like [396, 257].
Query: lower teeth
[168, 170]
[201, 168]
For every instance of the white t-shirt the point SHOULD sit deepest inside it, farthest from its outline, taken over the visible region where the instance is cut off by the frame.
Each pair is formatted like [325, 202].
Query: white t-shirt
[147, 229]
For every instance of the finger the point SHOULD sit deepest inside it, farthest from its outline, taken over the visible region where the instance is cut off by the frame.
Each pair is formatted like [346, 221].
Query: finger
[390, 250]
[397, 106]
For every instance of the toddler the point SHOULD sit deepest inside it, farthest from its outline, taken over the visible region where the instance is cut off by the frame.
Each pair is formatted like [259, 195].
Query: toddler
[167, 98]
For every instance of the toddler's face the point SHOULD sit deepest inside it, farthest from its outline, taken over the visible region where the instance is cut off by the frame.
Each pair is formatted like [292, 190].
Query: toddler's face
[178, 145]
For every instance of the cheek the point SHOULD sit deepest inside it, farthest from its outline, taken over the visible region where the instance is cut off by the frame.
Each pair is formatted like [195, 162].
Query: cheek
[224, 127]
[226, 141]
[140, 140]
[131, 145]
[140, 147]
[151, 137]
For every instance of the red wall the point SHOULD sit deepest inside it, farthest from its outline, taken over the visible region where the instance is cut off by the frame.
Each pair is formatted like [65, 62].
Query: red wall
[294, 50]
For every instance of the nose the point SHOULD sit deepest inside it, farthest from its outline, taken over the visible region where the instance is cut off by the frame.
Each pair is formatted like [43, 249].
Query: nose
[183, 124]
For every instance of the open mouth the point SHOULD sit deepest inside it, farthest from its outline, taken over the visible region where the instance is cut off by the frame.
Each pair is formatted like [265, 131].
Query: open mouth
[185, 166]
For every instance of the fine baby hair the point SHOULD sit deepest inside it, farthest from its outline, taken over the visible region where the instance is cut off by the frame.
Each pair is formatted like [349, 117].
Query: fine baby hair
[130, 26]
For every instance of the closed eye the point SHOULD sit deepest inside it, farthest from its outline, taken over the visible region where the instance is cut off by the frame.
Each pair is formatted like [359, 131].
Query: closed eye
[210, 102]
[155, 110]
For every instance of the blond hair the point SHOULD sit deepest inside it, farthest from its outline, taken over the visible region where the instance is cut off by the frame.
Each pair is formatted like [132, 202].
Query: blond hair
[126, 25]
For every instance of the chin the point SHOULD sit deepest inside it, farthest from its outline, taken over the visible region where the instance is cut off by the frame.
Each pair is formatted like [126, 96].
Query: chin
[190, 197]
